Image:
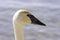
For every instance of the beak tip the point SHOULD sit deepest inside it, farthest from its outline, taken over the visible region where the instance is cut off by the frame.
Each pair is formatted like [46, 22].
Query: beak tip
[42, 24]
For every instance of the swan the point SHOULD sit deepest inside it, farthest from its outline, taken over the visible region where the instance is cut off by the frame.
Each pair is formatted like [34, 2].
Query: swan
[21, 18]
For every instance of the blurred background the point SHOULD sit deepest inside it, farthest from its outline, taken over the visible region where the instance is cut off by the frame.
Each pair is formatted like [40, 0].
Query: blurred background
[48, 11]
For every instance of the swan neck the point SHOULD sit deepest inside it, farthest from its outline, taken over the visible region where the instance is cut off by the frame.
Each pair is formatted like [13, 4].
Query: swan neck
[19, 32]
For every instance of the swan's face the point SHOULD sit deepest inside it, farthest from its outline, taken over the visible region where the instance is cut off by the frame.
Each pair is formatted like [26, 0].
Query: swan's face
[21, 17]
[25, 17]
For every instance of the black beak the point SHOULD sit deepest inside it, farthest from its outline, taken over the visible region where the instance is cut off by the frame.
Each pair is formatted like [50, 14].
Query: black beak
[35, 20]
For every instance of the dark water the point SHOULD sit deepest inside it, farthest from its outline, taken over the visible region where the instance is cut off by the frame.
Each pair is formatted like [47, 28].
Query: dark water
[48, 11]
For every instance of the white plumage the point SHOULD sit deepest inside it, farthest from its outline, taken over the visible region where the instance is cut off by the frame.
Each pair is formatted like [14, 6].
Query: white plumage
[21, 18]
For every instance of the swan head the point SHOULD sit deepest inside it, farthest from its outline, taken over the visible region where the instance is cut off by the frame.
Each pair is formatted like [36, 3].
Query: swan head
[25, 17]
